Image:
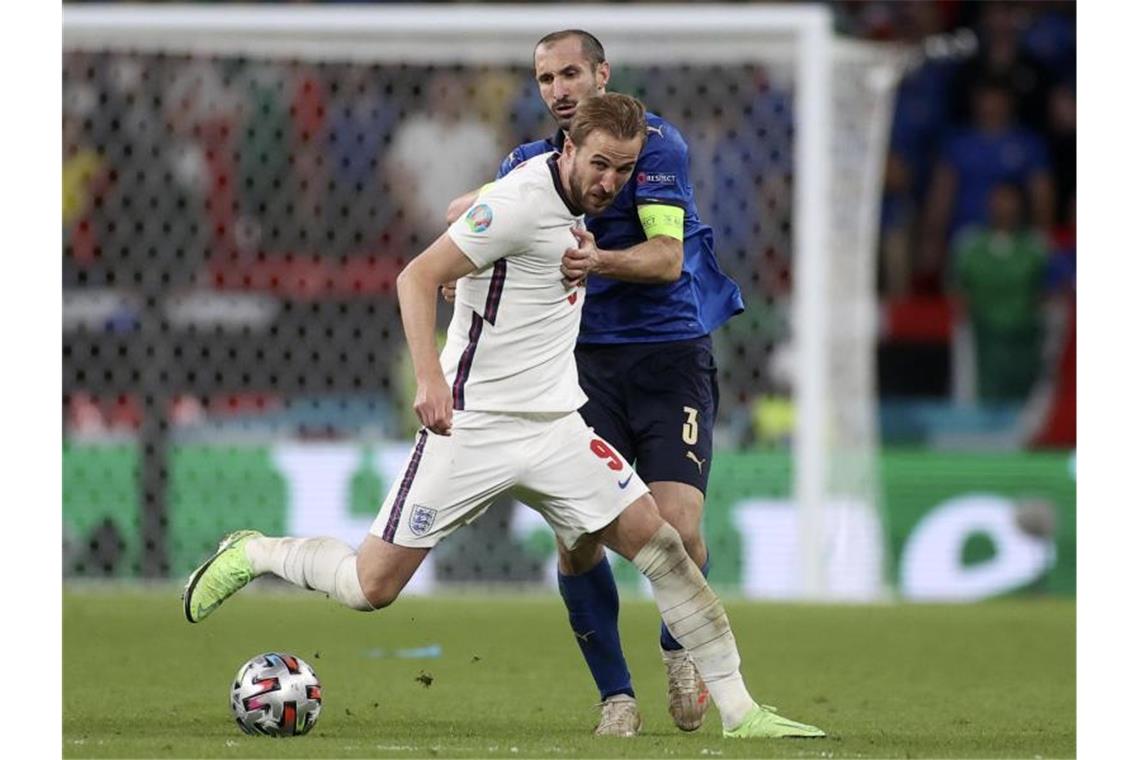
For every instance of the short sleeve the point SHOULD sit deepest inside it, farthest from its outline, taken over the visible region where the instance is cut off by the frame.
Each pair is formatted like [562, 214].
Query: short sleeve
[493, 227]
[662, 172]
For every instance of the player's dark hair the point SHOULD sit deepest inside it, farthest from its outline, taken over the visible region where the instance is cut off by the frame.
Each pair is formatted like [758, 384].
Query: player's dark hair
[619, 115]
[591, 48]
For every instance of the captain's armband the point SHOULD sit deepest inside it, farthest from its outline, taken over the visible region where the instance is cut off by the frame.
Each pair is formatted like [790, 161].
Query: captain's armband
[662, 219]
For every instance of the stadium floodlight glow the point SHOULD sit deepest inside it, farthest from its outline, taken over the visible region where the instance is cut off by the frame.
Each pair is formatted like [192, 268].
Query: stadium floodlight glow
[842, 104]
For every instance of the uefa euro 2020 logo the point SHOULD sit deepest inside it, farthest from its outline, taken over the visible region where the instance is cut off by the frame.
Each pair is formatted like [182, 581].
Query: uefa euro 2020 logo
[479, 218]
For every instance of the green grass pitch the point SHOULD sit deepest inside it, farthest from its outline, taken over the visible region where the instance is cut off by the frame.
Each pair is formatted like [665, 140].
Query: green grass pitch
[990, 680]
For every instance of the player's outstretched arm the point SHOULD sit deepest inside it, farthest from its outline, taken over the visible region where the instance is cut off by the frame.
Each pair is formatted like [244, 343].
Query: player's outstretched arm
[416, 287]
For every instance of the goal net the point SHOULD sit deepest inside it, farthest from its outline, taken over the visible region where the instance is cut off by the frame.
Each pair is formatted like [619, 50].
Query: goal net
[242, 185]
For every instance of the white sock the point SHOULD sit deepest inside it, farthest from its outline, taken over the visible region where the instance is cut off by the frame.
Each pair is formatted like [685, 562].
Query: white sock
[696, 618]
[323, 564]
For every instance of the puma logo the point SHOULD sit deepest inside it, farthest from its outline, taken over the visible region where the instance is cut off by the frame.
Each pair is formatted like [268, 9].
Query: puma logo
[656, 130]
[699, 462]
[584, 636]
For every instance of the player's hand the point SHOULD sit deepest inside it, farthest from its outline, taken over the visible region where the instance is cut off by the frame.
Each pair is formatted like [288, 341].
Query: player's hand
[579, 261]
[447, 290]
[433, 406]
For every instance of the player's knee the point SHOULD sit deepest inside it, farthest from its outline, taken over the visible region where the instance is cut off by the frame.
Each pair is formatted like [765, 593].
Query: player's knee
[683, 511]
[681, 505]
[689, 532]
[694, 544]
[581, 559]
[668, 541]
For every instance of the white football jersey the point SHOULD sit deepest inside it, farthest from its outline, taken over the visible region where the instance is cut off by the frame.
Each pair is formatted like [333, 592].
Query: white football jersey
[510, 344]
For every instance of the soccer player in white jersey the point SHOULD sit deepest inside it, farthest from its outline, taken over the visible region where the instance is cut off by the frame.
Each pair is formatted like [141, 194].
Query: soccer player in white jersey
[499, 413]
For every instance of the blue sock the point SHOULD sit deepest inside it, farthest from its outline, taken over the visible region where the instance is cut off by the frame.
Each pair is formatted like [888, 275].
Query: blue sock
[668, 643]
[592, 601]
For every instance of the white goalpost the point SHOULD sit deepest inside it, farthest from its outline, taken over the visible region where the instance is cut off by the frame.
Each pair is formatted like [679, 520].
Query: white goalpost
[843, 95]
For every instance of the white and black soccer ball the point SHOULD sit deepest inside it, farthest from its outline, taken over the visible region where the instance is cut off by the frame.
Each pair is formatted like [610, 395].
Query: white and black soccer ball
[276, 694]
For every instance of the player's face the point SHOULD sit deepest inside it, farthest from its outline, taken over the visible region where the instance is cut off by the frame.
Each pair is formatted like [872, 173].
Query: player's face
[565, 78]
[599, 169]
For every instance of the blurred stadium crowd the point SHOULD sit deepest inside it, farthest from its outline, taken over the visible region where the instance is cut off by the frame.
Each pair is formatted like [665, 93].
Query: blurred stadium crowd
[978, 239]
[232, 229]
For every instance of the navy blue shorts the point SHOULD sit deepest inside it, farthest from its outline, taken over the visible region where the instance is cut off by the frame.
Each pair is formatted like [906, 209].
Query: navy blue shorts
[656, 403]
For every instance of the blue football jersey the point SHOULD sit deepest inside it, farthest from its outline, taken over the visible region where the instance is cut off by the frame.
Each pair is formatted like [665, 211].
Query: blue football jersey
[701, 300]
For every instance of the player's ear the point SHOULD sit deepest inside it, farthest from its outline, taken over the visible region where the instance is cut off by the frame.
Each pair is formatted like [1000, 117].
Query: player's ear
[602, 75]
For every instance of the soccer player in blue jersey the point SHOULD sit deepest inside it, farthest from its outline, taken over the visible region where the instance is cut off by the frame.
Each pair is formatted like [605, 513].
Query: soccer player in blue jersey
[654, 293]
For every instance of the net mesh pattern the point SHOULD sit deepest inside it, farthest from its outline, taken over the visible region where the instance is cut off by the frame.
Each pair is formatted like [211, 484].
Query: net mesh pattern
[232, 231]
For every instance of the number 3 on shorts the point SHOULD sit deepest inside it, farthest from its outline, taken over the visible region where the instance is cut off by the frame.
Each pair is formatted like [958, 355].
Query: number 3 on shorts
[689, 430]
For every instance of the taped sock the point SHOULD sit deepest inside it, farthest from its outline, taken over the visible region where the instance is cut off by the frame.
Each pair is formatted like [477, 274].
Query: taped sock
[321, 564]
[696, 618]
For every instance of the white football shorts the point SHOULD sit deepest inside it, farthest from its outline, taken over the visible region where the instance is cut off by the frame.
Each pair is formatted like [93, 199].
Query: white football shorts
[551, 462]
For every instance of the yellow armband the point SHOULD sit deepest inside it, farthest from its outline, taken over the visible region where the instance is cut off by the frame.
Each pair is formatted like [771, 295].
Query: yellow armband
[660, 219]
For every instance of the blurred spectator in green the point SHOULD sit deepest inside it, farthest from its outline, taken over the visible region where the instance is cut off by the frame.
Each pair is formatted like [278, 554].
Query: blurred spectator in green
[998, 273]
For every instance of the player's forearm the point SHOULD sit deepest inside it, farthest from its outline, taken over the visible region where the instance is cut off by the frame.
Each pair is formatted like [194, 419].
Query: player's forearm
[416, 293]
[657, 261]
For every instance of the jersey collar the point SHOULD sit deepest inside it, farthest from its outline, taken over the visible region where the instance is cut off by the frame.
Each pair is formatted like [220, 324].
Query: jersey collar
[552, 162]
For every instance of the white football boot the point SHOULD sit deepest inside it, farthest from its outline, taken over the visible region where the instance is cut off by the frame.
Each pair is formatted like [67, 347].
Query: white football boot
[620, 717]
[688, 697]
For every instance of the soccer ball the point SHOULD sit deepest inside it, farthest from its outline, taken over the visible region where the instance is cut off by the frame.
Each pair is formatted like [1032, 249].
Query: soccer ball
[276, 694]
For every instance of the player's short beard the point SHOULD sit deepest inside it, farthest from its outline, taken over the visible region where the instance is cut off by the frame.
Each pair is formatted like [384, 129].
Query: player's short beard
[575, 188]
[579, 193]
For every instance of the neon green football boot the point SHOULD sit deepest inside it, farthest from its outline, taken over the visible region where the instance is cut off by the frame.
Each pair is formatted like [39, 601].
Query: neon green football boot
[764, 723]
[219, 577]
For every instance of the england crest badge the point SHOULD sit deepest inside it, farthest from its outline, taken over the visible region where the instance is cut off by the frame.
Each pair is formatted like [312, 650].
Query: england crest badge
[421, 520]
